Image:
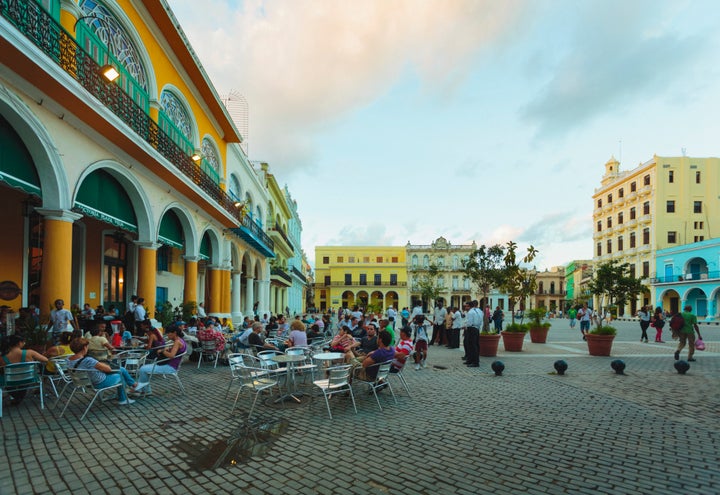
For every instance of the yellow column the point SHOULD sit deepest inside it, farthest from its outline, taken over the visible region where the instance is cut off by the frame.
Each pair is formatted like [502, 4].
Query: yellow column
[226, 288]
[191, 279]
[56, 258]
[214, 305]
[147, 274]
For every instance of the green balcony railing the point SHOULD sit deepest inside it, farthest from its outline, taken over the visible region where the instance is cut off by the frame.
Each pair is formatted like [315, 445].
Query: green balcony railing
[43, 31]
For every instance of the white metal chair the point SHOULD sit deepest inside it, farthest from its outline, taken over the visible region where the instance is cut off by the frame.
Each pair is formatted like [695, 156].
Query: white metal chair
[403, 382]
[338, 380]
[235, 361]
[255, 378]
[81, 381]
[131, 360]
[59, 377]
[174, 374]
[208, 348]
[380, 381]
[306, 365]
[22, 376]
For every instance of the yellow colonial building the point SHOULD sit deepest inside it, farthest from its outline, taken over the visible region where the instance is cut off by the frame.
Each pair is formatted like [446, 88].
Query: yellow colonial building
[662, 203]
[121, 171]
[369, 276]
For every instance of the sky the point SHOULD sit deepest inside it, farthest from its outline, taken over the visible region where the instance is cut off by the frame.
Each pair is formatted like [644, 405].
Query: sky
[406, 120]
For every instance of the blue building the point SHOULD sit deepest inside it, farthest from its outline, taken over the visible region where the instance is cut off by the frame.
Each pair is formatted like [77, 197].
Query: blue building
[689, 274]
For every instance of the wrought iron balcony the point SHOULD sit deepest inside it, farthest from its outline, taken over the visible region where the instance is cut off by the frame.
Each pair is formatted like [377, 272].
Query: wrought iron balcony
[52, 39]
[279, 272]
[278, 228]
[298, 272]
[254, 235]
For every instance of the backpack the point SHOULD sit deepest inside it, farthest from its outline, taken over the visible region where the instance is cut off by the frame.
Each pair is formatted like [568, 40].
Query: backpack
[677, 322]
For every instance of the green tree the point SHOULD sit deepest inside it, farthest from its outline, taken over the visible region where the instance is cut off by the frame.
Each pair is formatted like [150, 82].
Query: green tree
[612, 280]
[485, 268]
[518, 282]
[427, 283]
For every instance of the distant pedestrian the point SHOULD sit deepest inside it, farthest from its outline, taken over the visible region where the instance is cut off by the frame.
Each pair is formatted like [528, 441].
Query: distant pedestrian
[644, 315]
[584, 314]
[420, 340]
[687, 334]
[572, 314]
[658, 322]
[498, 317]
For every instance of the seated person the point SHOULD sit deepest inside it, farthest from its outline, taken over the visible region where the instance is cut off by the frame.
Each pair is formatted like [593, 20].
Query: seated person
[314, 332]
[370, 342]
[12, 352]
[382, 354]
[256, 340]
[345, 343]
[101, 374]
[155, 340]
[210, 333]
[240, 340]
[62, 349]
[98, 345]
[87, 313]
[402, 350]
[298, 337]
[169, 359]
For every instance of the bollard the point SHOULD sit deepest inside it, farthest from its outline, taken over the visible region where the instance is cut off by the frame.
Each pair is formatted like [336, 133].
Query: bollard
[619, 366]
[497, 367]
[560, 366]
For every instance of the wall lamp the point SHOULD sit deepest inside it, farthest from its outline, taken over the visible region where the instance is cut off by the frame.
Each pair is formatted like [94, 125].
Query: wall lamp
[109, 72]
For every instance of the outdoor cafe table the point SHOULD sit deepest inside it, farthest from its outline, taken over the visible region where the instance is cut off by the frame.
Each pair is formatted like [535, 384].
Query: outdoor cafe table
[290, 360]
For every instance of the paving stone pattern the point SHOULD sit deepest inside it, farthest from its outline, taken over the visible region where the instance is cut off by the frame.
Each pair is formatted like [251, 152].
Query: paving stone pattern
[463, 431]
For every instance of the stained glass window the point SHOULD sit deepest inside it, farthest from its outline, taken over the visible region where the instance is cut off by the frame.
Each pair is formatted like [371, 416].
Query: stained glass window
[175, 111]
[110, 31]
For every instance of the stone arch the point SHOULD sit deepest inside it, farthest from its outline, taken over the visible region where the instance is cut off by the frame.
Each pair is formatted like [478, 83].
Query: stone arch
[147, 232]
[192, 243]
[41, 146]
[215, 247]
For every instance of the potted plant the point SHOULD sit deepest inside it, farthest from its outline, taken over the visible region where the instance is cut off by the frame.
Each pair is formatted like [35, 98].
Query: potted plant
[513, 336]
[600, 339]
[538, 328]
[488, 344]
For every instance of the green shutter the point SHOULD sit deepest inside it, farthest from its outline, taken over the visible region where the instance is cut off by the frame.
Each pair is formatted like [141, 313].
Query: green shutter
[16, 165]
[101, 196]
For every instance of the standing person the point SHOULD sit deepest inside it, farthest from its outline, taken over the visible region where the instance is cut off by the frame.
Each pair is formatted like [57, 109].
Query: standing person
[139, 313]
[417, 310]
[59, 319]
[439, 324]
[572, 314]
[497, 318]
[644, 315]
[473, 320]
[392, 316]
[658, 322]
[687, 334]
[457, 320]
[201, 311]
[584, 315]
[420, 339]
[405, 315]
[448, 326]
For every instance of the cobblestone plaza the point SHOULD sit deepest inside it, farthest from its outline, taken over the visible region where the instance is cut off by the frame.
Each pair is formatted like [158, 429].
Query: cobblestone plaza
[463, 431]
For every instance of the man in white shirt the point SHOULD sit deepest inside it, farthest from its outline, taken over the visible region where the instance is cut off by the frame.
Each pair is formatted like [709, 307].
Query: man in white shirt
[438, 324]
[473, 322]
[140, 313]
[417, 310]
[454, 339]
[201, 311]
[391, 314]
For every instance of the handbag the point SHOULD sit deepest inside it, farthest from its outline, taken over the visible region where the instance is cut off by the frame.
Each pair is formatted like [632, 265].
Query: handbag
[700, 345]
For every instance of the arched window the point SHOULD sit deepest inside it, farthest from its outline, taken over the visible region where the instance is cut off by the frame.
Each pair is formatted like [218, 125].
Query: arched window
[455, 262]
[234, 188]
[426, 261]
[210, 155]
[414, 260]
[174, 111]
[540, 287]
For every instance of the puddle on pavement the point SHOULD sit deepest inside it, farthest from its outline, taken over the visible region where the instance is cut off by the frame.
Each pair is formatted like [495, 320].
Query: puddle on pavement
[250, 441]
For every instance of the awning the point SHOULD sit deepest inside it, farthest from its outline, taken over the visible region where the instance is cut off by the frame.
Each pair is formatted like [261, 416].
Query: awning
[102, 197]
[205, 248]
[171, 232]
[17, 168]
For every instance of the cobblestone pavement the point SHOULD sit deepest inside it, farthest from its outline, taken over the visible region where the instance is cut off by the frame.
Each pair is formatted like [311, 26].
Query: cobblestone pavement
[463, 431]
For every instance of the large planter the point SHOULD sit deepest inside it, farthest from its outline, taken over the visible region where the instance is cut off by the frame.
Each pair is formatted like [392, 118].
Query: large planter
[489, 344]
[599, 345]
[513, 341]
[538, 335]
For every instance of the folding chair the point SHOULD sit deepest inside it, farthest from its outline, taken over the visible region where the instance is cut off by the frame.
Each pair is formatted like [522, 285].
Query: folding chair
[208, 349]
[380, 381]
[164, 374]
[255, 378]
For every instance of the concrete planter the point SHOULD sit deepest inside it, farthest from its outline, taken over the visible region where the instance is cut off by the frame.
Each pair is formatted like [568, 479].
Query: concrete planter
[489, 344]
[599, 345]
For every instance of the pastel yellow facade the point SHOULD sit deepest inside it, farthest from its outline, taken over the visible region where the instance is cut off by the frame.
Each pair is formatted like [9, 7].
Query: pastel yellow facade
[367, 276]
[664, 202]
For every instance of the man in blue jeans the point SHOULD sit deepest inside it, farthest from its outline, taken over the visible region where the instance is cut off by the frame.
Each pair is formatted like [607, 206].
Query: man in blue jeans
[584, 315]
